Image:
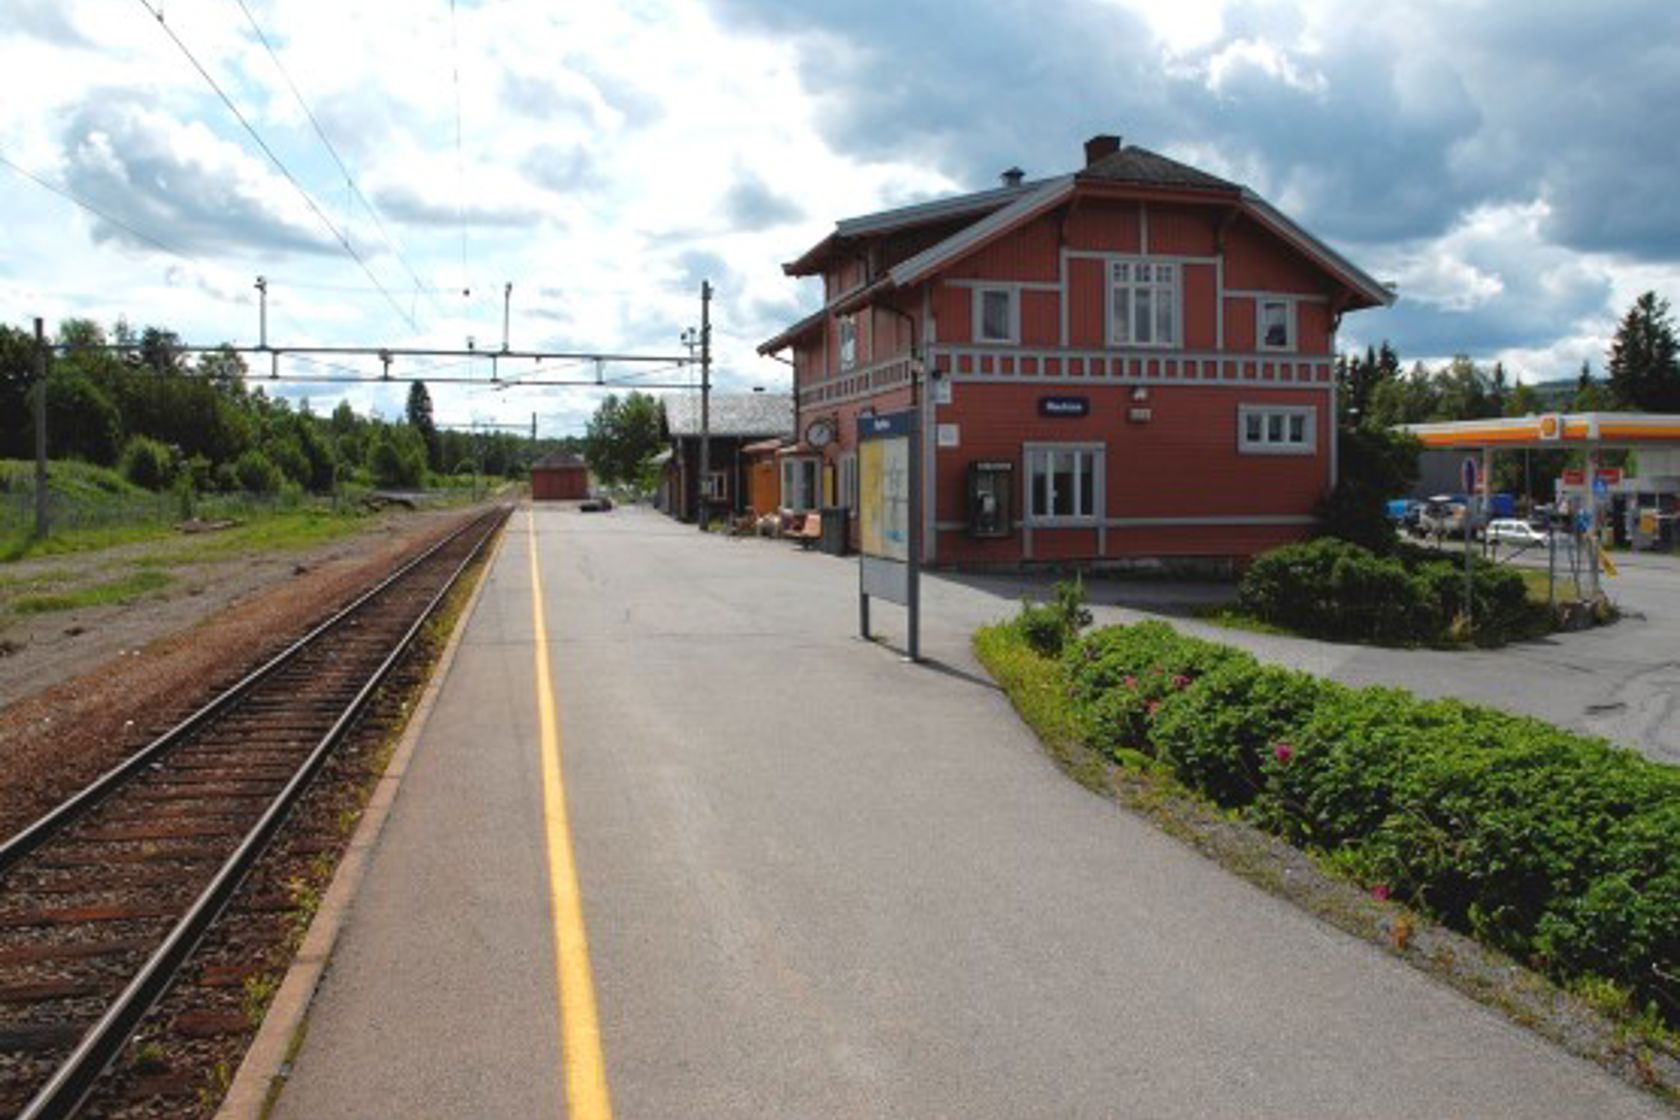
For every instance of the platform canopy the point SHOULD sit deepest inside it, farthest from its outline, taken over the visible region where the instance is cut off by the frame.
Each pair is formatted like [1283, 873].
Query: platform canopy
[1552, 431]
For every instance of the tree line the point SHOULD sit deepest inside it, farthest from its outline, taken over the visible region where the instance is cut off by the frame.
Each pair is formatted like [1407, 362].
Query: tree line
[165, 419]
[1642, 375]
[1375, 392]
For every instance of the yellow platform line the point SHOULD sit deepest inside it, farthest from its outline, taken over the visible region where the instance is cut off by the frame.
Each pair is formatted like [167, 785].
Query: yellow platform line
[580, 1031]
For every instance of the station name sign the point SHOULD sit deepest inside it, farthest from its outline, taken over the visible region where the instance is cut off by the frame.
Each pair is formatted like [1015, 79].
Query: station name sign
[882, 426]
[1064, 406]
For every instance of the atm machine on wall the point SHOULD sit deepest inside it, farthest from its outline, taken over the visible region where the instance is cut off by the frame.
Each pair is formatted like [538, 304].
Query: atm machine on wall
[991, 498]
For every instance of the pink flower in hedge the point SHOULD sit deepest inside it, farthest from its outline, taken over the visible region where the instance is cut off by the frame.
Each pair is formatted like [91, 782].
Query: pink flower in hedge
[1153, 707]
[1181, 682]
[1283, 752]
[1130, 682]
[1380, 892]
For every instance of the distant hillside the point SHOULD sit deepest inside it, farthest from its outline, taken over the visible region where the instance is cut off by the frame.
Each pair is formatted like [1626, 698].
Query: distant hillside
[1555, 394]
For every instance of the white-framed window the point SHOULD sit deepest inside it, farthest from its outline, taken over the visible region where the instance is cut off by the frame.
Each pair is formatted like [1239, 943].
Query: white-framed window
[717, 486]
[800, 474]
[1064, 483]
[1266, 429]
[1143, 299]
[1274, 324]
[848, 341]
[997, 315]
[849, 480]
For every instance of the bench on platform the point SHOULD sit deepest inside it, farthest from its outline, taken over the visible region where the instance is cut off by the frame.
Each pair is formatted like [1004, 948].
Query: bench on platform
[807, 531]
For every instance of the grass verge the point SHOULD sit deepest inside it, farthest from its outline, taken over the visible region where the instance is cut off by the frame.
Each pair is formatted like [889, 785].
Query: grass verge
[1594, 1019]
[116, 592]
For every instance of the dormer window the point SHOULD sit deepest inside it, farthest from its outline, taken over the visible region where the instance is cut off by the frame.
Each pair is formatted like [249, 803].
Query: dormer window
[1143, 303]
[996, 315]
[848, 341]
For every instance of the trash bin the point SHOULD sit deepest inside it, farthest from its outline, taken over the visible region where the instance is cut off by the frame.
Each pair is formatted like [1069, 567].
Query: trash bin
[834, 520]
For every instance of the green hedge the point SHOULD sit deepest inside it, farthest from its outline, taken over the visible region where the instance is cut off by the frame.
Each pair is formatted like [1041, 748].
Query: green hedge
[1332, 588]
[1557, 848]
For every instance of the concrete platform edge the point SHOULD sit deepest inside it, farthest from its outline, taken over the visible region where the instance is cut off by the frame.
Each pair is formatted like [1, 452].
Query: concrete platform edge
[264, 1066]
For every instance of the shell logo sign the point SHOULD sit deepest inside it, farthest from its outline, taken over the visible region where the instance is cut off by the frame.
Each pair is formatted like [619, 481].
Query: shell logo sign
[1551, 426]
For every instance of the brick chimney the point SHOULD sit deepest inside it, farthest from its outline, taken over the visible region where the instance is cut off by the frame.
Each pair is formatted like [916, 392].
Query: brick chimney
[1012, 177]
[1099, 146]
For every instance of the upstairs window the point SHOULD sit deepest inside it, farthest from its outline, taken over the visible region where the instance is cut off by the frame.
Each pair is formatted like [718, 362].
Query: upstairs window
[1143, 303]
[1276, 326]
[848, 342]
[1277, 429]
[995, 315]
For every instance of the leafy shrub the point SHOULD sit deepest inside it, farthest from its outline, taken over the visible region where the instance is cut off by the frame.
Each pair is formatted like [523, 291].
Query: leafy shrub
[1334, 589]
[1546, 844]
[1126, 675]
[146, 462]
[1219, 735]
[255, 474]
[1050, 626]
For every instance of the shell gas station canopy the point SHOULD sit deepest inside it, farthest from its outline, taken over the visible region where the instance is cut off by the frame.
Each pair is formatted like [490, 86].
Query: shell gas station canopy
[1591, 431]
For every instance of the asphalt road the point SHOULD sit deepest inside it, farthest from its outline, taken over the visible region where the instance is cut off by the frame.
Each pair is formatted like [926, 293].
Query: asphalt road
[820, 882]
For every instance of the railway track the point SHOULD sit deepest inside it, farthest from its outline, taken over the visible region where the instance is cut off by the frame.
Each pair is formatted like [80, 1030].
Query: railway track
[103, 900]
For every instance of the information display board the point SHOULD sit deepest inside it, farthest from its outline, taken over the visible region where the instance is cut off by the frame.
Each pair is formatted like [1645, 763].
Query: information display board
[884, 501]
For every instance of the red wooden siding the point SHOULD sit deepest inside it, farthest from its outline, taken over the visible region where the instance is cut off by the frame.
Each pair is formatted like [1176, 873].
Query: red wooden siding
[1201, 325]
[1104, 225]
[1257, 261]
[1032, 252]
[1087, 304]
[1184, 231]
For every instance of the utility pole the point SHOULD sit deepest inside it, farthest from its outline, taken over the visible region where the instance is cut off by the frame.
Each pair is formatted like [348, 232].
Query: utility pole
[705, 401]
[507, 300]
[40, 429]
[262, 312]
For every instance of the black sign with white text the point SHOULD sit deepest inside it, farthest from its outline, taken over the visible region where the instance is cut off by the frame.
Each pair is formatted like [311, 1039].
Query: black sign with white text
[1064, 406]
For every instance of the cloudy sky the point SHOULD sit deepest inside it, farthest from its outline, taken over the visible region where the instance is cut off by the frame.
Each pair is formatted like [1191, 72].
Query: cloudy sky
[1514, 166]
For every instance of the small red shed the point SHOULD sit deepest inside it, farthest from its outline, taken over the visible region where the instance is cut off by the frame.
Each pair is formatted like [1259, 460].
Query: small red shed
[559, 477]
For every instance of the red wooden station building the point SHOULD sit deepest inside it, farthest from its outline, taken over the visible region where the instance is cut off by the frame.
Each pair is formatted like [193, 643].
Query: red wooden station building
[1132, 360]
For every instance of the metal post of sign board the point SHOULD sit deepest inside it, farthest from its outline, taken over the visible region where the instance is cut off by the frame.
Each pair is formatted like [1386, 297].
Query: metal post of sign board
[1468, 522]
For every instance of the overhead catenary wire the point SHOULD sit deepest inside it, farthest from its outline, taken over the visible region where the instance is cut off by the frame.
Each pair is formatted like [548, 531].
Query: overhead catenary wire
[342, 239]
[129, 228]
[349, 179]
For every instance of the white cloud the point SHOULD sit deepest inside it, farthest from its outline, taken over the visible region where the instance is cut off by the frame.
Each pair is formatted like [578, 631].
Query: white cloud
[612, 154]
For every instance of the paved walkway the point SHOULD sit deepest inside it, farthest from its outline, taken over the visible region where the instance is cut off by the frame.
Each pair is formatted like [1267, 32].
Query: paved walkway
[820, 882]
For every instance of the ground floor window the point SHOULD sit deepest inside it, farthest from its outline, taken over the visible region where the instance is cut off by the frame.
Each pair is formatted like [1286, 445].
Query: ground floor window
[799, 484]
[717, 487]
[1064, 483]
[1277, 429]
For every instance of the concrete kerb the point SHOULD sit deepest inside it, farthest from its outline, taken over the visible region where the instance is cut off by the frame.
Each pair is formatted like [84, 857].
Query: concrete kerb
[266, 1064]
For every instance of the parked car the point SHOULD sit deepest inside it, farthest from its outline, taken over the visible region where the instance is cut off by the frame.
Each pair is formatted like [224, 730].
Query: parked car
[1442, 516]
[1511, 531]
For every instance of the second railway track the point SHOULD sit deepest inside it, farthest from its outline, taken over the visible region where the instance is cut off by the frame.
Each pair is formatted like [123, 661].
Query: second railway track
[103, 900]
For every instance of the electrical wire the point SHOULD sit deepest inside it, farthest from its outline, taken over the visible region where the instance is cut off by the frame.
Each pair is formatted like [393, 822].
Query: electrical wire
[157, 13]
[349, 179]
[75, 199]
[70, 196]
